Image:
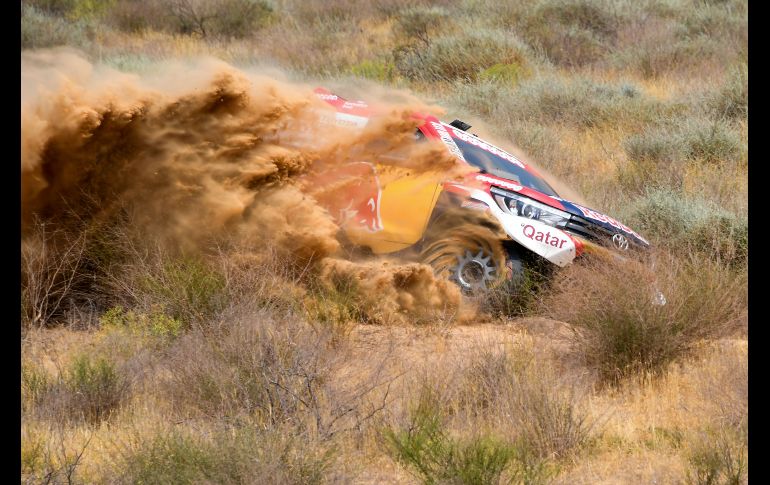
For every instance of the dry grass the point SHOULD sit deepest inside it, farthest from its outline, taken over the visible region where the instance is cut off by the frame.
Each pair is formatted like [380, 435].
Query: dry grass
[507, 387]
[144, 364]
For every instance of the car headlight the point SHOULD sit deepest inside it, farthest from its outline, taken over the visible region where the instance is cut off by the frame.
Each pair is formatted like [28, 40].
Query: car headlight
[519, 205]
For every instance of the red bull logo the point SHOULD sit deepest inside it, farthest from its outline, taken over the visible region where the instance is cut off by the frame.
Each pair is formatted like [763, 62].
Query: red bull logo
[351, 193]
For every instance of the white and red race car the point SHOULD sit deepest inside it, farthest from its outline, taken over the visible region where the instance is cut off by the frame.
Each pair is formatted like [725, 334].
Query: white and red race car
[388, 215]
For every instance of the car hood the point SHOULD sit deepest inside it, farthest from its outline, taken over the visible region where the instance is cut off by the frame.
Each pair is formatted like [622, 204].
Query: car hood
[602, 220]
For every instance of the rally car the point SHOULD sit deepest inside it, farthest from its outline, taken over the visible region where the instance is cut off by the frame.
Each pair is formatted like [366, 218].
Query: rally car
[387, 212]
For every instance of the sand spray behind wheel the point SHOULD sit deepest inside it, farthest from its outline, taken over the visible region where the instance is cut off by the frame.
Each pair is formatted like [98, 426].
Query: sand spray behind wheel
[201, 150]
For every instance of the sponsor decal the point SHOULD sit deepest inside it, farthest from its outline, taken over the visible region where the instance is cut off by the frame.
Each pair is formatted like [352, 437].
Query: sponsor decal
[354, 104]
[447, 139]
[327, 97]
[499, 182]
[356, 202]
[473, 140]
[530, 232]
[468, 204]
[592, 214]
[345, 119]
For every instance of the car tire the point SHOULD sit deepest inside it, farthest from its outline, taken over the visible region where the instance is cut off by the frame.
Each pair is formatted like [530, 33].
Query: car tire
[473, 258]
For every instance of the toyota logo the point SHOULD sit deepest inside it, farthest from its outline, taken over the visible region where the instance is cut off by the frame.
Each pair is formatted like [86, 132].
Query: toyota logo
[620, 241]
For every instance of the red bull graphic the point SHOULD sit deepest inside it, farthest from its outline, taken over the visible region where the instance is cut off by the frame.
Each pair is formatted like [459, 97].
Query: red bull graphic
[351, 193]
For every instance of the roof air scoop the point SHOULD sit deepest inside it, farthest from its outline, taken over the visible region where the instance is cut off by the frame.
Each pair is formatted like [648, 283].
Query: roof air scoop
[460, 125]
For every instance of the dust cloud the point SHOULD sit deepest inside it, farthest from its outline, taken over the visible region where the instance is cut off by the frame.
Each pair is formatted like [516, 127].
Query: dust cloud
[202, 150]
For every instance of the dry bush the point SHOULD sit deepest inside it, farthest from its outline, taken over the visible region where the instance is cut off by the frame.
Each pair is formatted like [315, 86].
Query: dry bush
[139, 15]
[420, 24]
[724, 386]
[719, 456]
[514, 392]
[52, 268]
[324, 48]
[496, 414]
[570, 32]
[308, 12]
[277, 370]
[51, 453]
[620, 327]
[218, 18]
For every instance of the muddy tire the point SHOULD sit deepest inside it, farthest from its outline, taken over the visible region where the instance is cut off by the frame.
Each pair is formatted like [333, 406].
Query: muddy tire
[472, 257]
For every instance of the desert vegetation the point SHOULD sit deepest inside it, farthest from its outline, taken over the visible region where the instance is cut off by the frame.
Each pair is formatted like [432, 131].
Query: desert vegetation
[162, 346]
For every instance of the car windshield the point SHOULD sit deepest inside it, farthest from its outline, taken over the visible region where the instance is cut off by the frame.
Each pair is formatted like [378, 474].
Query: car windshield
[500, 167]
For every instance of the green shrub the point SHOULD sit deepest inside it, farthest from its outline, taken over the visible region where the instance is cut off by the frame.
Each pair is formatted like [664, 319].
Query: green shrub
[427, 448]
[241, 18]
[482, 98]
[732, 101]
[480, 461]
[656, 57]
[580, 102]
[32, 453]
[229, 456]
[508, 74]
[655, 156]
[518, 297]
[712, 142]
[337, 306]
[139, 15]
[155, 324]
[657, 146]
[54, 7]
[89, 389]
[94, 388]
[718, 21]
[435, 457]
[185, 288]
[590, 15]
[459, 57]
[40, 29]
[660, 156]
[35, 383]
[377, 70]
[690, 224]
[172, 458]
